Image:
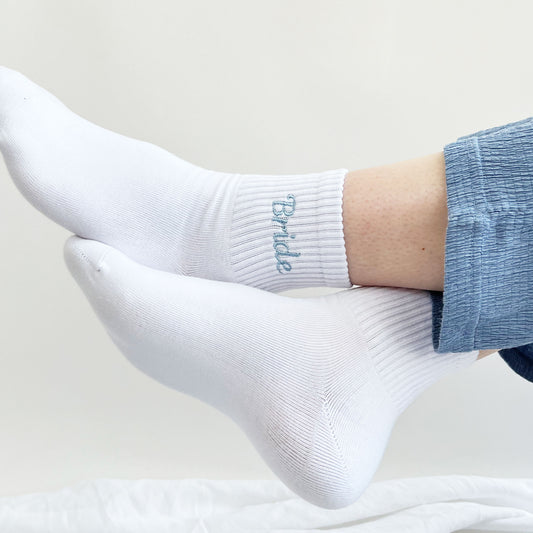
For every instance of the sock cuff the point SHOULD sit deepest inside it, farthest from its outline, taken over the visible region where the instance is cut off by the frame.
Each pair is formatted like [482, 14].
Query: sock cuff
[287, 231]
[397, 324]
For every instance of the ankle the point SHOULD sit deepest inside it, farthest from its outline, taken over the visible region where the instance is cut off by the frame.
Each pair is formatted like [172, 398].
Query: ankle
[395, 219]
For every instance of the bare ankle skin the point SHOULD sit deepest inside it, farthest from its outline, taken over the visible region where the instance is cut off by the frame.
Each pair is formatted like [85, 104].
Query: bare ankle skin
[484, 353]
[395, 219]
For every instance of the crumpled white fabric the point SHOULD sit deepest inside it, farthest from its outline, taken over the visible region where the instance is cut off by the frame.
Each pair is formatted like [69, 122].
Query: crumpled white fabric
[414, 505]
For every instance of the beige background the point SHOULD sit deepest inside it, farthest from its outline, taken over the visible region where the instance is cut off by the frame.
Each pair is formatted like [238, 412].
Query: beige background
[246, 86]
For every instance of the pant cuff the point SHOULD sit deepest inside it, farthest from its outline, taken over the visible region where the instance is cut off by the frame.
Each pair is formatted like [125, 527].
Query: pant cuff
[488, 280]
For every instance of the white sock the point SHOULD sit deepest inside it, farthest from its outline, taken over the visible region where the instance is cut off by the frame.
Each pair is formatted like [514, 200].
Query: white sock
[315, 383]
[271, 232]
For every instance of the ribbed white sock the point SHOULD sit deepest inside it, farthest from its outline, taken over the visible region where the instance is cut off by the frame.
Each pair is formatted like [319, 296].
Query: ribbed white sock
[272, 232]
[315, 383]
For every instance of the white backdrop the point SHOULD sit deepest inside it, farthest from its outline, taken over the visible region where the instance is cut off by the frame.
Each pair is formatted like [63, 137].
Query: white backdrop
[271, 86]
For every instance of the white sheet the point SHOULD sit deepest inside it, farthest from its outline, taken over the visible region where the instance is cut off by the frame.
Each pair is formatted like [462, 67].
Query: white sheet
[414, 505]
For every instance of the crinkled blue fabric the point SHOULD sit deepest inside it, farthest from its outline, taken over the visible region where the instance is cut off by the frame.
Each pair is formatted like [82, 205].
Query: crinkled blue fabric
[487, 300]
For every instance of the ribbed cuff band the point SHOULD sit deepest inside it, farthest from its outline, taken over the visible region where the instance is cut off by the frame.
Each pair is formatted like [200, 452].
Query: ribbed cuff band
[397, 326]
[287, 231]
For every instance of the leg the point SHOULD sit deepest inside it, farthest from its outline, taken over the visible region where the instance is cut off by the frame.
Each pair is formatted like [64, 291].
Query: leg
[271, 232]
[274, 232]
[316, 383]
[395, 218]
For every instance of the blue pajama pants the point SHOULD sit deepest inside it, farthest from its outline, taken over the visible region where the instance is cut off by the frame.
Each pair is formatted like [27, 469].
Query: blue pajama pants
[487, 300]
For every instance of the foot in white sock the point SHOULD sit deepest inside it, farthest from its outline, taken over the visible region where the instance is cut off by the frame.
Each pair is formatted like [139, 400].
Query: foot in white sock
[271, 232]
[315, 383]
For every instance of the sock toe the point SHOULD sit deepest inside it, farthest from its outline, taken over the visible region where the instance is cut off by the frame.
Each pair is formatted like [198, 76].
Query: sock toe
[15, 91]
[85, 258]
